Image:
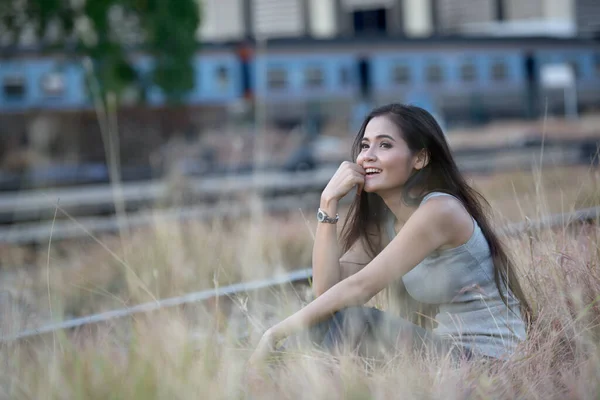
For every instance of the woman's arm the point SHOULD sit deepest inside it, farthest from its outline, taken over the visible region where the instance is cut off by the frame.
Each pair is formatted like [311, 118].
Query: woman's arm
[328, 269]
[325, 255]
[434, 224]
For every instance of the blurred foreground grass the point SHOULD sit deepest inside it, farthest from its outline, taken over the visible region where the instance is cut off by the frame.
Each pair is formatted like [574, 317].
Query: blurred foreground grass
[160, 356]
[169, 258]
[170, 355]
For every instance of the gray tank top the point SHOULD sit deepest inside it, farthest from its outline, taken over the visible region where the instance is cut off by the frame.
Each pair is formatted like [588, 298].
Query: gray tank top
[461, 282]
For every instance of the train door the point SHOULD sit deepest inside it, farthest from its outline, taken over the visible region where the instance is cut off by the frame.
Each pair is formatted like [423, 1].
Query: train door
[364, 78]
[363, 103]
[531, 86]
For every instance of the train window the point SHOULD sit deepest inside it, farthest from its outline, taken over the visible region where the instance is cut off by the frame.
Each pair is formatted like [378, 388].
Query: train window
[222, 75]
[53, 84]
[499, 72]
[276, 78]
[401, 74]
[313, 77]
[468, 72]
[434, 73]
[14, 86]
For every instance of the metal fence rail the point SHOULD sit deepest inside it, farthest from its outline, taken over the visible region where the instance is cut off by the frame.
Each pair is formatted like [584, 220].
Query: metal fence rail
[278, 184]
[68, 229]
[553, 221]
[294, 276]
[89, 199]
[22, 206]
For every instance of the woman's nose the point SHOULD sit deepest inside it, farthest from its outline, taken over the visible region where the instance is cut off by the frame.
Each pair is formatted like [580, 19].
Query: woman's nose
[369, 154]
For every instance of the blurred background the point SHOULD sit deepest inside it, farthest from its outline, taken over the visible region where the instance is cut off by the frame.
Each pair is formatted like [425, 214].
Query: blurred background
[195, 82]
[112, 108]
[151, 149]
[166, 98]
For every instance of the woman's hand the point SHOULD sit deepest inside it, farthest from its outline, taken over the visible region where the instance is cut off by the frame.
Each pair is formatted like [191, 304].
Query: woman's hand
[255, 372]
[345, 178]
[265, 346]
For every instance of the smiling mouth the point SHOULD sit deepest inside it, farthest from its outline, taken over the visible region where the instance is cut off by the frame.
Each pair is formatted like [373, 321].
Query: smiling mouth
[372, 171]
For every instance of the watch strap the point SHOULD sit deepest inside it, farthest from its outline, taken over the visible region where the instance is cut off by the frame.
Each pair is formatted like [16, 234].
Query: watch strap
[322, 216]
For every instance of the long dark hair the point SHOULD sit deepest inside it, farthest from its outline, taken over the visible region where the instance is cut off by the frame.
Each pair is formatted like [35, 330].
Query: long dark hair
[421, 132]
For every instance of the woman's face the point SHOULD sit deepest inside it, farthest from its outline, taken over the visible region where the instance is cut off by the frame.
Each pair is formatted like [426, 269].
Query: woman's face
[385, 156]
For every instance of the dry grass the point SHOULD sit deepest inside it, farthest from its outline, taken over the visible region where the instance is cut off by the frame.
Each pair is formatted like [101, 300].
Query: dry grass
[533, 194]
[164, 260]
[196, 353]
[170, 355]
[160, 356]
[168, 258]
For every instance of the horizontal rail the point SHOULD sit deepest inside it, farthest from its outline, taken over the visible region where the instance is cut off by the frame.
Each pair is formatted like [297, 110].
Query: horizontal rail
[294, 276]
[21, 205]
[69, 229]
[307, 182]
[33, 204]
[552, 221]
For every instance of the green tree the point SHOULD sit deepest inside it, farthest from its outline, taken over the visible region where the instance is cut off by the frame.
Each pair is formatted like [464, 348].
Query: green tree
[108, 31]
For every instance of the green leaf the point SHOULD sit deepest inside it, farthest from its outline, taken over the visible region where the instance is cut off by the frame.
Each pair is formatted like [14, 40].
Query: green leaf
[169, 27]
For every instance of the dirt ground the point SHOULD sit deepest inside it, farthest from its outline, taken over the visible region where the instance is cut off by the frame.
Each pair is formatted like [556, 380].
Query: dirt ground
[514, 132]
[233, 148]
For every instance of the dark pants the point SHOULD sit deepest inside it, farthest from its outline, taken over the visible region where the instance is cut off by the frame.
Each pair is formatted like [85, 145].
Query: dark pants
[375, 334]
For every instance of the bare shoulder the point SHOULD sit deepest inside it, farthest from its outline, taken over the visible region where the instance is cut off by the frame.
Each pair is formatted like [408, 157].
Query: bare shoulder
[449, 216]
[449, 208]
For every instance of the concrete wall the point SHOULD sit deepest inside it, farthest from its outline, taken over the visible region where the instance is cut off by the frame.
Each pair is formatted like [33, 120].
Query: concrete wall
[587, 15]
[278, 18]
[454, 14]
[322, 18]
[418, 18]
[221, 20]
[552, 10]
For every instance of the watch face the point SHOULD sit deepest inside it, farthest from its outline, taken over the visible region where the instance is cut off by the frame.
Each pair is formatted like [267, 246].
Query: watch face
[320, 216]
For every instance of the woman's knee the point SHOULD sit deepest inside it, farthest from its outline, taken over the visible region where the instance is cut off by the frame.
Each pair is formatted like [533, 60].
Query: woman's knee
[361, 314]
[355, 319]
[349, 326]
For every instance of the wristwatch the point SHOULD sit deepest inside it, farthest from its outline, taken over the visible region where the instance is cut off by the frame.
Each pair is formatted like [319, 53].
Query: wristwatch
[323, 217]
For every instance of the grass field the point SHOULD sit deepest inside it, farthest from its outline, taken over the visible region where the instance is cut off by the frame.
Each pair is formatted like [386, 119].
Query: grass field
[168, 259]
[194, 353]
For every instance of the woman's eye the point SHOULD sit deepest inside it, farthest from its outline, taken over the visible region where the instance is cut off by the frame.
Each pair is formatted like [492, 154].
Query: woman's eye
[386, 145]
[364, 146]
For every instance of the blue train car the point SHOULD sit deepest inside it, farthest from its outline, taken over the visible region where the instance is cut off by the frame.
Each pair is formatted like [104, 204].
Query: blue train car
[450, 82]
[55, 82]
[48, 83]
[310, 77]
[461, 78]
[586, 68]
[217, 77]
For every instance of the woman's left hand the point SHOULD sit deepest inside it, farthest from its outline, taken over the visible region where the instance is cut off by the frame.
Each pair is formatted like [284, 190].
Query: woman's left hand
[255, 374]
[265, 346]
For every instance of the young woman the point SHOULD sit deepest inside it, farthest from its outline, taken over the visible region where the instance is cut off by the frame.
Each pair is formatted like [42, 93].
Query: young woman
[414, 219]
